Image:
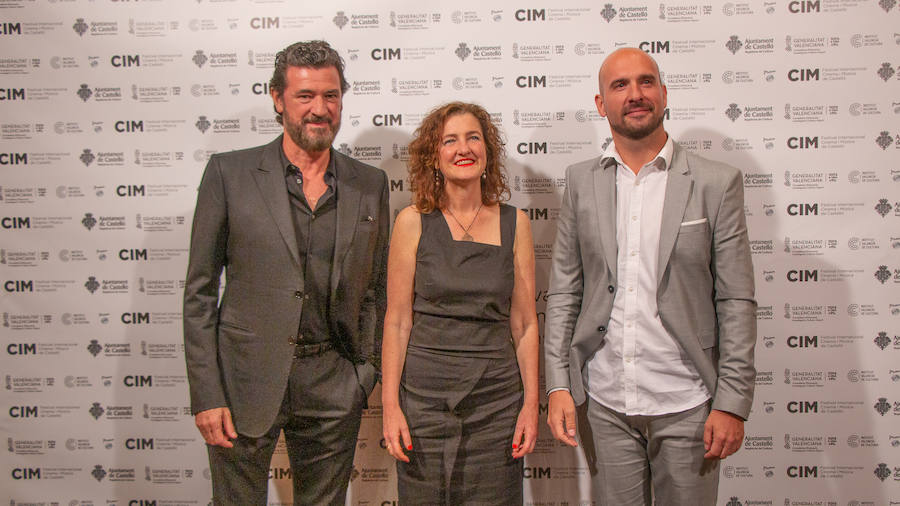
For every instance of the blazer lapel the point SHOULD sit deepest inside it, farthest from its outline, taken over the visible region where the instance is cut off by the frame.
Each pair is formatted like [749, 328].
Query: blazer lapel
[678, 191]
[348, 196]
[605, 197]
[269, 178]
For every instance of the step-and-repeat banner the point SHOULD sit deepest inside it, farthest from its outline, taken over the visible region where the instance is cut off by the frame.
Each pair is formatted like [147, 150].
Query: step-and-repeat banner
[109, 110]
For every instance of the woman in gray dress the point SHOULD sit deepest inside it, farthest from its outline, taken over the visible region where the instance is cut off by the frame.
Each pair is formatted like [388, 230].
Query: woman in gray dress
[460, 352]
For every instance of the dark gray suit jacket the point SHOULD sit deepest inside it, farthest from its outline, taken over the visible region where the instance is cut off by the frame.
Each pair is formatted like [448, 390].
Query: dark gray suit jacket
[239, 351]
[705, 286]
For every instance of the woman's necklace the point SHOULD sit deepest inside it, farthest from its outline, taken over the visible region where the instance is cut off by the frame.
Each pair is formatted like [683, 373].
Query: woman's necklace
[466, 236]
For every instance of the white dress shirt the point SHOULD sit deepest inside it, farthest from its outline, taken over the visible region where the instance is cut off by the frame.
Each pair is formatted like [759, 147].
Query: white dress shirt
[641, 369]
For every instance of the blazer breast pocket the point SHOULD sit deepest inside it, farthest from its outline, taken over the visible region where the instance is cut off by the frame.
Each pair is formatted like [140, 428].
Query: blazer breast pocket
[693, 243]
[366, 231]
[366, 227]
[693, 226]
[367, 220]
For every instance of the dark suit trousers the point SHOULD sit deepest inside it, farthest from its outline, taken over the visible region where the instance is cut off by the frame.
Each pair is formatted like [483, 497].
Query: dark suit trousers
[320, 417]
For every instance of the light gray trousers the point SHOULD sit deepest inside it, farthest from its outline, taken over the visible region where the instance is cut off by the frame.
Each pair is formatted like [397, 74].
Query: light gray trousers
[642, 458]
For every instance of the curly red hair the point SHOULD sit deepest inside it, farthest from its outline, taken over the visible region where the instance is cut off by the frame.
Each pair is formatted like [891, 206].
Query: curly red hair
[423, 158]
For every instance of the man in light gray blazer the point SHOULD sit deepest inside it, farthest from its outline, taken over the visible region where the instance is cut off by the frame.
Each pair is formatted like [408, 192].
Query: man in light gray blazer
[301, 232]
[651, 317]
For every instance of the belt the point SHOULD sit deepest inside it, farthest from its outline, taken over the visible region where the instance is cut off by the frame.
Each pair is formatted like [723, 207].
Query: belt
[311, 350]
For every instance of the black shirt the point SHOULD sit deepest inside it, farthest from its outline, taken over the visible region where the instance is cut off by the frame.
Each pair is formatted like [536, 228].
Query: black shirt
[315, 231]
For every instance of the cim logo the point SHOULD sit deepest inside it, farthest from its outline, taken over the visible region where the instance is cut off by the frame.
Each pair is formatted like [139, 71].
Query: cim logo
[15, 222]
[803, 407]
[802, 275]
[125, 60]
[531, 81]
[123, 126]
[23, 412]
[10, 28]
[21, 349]
[134, 443]
[260, 88]
[261, 23]
[384, 53]
[659, 46]
[26, 473]
[18, 286]
[803, 471]
[13, 158]
[131, 190]
[803, 75]
[142, 502]
[536, 473]
[803, 142]
[12, 93]
[133, 254]
[397, 185]
[530, 15]
[804, 7]
[387, 120]
[135, 318]
[134, 381]
[280, 473]
[537, 213]
[803, 209]
[803, 341]
[531, 148]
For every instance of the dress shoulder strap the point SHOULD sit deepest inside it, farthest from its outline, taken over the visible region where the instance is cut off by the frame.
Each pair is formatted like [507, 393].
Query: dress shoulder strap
[507, 225]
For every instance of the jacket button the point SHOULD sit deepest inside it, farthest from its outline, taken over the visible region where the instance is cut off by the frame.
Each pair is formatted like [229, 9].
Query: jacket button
[611, 289]
[601, 328]
[298, 294]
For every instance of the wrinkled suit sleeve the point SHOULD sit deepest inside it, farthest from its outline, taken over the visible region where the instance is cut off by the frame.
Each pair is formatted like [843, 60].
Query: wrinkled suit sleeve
[734, 302]
[565, 293]
[377, 291]
[209, 235]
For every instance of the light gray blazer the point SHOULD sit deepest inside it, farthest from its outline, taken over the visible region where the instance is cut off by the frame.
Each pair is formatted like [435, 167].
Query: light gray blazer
[239, 351]
[705, 291]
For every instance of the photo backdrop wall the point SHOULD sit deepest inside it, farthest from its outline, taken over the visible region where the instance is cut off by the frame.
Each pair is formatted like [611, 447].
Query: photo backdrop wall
[109, 110]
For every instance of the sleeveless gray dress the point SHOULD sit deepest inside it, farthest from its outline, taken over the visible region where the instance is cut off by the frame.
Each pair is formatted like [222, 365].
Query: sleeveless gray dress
[460, 389]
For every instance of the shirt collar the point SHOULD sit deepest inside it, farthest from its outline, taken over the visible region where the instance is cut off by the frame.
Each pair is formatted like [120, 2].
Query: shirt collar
[290, 168]
[662, 161]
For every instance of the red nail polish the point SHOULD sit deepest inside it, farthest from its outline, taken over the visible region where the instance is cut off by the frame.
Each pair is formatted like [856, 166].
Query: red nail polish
[515, 446]
[409, 447]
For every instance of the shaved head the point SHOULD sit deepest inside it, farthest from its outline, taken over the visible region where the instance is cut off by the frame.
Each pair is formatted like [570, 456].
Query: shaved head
[620, 53]
[631, 97]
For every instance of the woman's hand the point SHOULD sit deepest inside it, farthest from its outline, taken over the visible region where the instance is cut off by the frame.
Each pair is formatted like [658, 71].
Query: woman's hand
[526, 431]
[396, 432]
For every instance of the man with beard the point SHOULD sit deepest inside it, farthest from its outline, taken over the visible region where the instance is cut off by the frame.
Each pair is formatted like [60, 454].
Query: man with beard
[301, 232]
[651, 318]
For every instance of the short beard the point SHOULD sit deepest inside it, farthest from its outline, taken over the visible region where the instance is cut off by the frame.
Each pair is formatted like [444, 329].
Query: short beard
[637, 133]
[312, 144]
